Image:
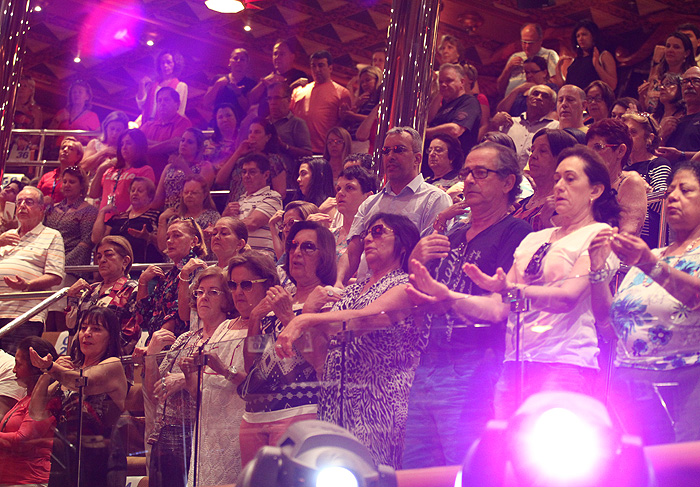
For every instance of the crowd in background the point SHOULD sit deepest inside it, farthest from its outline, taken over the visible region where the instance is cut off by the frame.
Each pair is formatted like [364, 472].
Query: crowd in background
[554, 195]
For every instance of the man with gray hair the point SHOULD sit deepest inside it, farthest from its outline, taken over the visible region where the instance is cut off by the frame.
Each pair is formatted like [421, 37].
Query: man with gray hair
[31, 259]
[459, 114]
[452, 395]
[405, 193]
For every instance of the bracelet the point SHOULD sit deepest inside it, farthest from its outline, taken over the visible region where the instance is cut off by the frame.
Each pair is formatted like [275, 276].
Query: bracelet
[601, 275]
[47, 369]
[179, 276]
[656, 271]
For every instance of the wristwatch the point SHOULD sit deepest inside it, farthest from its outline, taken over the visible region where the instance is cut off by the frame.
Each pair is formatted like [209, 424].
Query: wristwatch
[231, 372]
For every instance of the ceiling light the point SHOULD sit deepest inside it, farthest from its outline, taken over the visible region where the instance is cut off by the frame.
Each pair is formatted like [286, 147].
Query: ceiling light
[150, 42]
[247, 28]
[225, 6]
[76, 59]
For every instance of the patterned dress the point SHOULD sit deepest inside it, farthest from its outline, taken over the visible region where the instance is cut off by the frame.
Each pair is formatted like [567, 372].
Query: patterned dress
[367, 378]
[174, 182]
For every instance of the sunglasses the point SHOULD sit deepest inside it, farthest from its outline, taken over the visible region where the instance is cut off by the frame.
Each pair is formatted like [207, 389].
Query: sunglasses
[534, 268]
[245, 285]
[376, 231]
[200, 293]
[398, 149]
[306, 247]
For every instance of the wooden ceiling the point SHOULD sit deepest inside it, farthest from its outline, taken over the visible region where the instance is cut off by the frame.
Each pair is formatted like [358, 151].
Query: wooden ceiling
[110, 37]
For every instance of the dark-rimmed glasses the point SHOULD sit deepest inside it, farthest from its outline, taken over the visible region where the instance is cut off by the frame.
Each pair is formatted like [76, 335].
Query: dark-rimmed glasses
[599, 147]
[245, 285]
[477, 172]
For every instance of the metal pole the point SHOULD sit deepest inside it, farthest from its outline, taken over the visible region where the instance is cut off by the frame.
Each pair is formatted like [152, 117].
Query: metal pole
[408, 73]
[26, 316]
[13, 30]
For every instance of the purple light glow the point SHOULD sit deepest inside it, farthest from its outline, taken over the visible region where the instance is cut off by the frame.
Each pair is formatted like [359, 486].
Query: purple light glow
[111, 28]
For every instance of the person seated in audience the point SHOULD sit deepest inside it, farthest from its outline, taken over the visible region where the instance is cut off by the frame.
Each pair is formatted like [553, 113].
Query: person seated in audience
[25, 444]
[599, 101]
[364, 99]
[541, 101]
[281, 391]
[165, 131]
[232, 88]
[625, 105]
[169, 65]
[257, 205]
[292, 131]
[115, 290]
[95, 355]
[405, 192]
[338, 146]
[472, 88]
[282, 221]
[654, 348]
[354, 186]
[159, 309]
[320, 103]
[655, 170]
[452, 394]
[8, 194]
[77, 115]
[611, 140]
[222, 144]
[104, 147]
[315, 181]
[69, 155]
[138, 224]
[671, 104]
[196, 203]
[33, 259]
[229, 238]
[450, 49]
[73, 217]
[283, 71]
[187, 162]
[538, 208]
[222, 342]
[515, 73]
[262, 139]
[28, 114]
[367, 379]
[571, 101]
[679, 55]
[458, 113]
[535, 74]
[445, 158]
[113, 179]
[681, 136]
[592, 61]
[359, 159]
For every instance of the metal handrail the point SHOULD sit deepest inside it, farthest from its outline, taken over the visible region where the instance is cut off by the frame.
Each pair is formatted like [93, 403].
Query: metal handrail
[27, 315]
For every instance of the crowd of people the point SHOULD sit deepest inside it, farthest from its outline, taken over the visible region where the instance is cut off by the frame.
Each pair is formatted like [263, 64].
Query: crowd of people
[292, 298]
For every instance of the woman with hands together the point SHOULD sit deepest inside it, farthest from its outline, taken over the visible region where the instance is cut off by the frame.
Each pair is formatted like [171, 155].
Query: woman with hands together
[654, 314]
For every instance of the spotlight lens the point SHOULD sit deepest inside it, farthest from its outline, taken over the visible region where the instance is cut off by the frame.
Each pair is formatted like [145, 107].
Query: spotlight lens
[76, 59]
[247, 28]
[336, 477]
[149, 43]
[37, 8]
[563, 447]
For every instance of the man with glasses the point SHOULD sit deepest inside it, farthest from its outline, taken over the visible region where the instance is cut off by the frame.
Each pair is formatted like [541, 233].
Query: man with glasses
[684, 141]
[541, 101]
[513, 75]
[453, 390]
[406, 193]
[31, 259]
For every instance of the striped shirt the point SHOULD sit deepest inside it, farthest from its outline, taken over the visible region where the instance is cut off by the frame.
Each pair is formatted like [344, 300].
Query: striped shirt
[268, 202]
[39, 252]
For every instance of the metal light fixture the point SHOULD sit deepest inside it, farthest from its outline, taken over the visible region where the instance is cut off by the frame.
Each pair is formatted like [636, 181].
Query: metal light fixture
[225, 6]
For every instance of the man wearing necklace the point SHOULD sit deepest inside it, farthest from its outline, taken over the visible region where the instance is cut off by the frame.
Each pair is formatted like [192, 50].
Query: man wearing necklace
[459, 368]
[31, 259]
[70, 154]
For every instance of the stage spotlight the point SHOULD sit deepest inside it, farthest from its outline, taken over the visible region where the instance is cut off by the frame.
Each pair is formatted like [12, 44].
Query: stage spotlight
[77, 59]
[556, 439]
[150, 42]
[247, 28]
[37, 8]
[316, 454]
[225, 6]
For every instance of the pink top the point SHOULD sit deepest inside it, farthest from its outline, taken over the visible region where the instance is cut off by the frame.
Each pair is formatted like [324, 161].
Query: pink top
[117, 181]
[87, 120]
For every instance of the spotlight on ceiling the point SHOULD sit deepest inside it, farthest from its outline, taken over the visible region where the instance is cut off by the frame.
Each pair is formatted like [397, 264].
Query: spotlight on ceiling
[37, 8]
[225, 6]
[556, 439]
[150, 42]
[247, 28]
[77, 59]
[316, 454]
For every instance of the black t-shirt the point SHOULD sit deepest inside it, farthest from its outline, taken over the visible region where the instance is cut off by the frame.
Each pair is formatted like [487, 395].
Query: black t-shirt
[489, 250]
[686, 137]
[120, 225]
[465, 111]
[227, 95]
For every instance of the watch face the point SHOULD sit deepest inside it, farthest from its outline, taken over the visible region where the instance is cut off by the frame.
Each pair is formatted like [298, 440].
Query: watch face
[233, 370]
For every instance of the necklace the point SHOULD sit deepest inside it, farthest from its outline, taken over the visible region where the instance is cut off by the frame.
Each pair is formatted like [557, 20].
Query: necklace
[648, 280]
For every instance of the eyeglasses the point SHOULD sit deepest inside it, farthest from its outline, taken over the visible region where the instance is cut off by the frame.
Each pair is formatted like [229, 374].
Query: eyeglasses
[437, 150]
[215, 293]
[596, 99]
[335, 142]
[477, 172]
[306, 247]
[376, 231]
[533, 72]
[398, 149]
[670, 83]
[534, 268]
[695, 81]
[289, 224]
[245, 285]
[599, 147]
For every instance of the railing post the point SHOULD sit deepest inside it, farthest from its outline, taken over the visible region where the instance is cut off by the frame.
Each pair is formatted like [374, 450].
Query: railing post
[13, 31]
